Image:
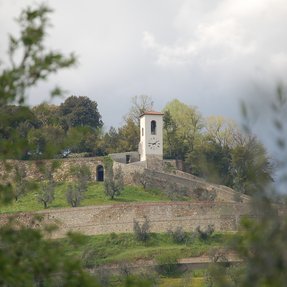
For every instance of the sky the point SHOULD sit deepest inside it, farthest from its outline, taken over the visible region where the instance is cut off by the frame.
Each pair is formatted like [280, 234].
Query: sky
[211, 54]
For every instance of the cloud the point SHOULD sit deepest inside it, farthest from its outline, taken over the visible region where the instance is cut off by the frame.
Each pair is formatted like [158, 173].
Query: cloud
[205, 53]
[230, 32]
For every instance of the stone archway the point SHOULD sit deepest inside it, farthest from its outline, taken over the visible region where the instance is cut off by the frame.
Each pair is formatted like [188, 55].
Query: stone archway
[100, 173]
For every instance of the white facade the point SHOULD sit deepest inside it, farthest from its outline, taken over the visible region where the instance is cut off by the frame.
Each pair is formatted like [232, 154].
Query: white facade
[151, 135]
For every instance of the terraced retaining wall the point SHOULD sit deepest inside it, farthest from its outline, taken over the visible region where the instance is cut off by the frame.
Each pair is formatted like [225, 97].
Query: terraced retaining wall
[119, 218]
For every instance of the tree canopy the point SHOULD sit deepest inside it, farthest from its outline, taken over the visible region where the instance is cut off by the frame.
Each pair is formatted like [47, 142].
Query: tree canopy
[80, 111]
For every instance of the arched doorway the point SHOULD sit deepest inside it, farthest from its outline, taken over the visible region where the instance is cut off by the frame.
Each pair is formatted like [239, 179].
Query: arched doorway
[100, 173]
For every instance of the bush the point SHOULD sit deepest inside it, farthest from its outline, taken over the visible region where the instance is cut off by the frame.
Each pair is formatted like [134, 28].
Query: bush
[179, 235]
[114, 179]
[167, 264]
[142, 232]
[176, 192]
[88, 258]
[203, 194]
[73, 195]
[205, 234]
[104, 276]
[141, 178]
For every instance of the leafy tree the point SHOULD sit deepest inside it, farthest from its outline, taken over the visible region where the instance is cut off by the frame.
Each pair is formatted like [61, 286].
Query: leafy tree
[45, 142]
[221, 131]
[47, 114]
[170, 129]
[251, 167]
[83, 139]
[125, 138]
[110, 141]
[80, 111]
[212, 161]
[13, 116]
[15, 123]
[211, 157]
[129, 136]
[226, 155]
[182, 125]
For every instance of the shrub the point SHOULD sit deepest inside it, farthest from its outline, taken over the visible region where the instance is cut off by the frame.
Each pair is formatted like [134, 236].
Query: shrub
[203, 194]
[74, 195]
[88, 258]
[114, 180]
[125, 269]
[142, 232]
[141, 178]
[219, 256]
[46, 193]
[167, 264]
[179, 235]
[176, 192]
[104, 276]
[205, 234]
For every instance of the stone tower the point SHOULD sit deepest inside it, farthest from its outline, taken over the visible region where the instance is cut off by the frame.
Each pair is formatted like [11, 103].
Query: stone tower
[151, 138]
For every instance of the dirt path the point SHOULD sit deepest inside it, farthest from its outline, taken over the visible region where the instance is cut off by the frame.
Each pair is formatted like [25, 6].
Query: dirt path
[191, 262]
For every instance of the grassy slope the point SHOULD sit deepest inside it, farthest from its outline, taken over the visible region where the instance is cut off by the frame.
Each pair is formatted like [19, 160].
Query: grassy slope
[94, 196]
[180, 282]
[125, 249]
[117, 248]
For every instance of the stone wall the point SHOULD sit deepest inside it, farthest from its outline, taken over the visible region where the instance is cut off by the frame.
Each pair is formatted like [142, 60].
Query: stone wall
[224, 213]
[160, 179]
[34, 168]
[119, 218]
[131, 156]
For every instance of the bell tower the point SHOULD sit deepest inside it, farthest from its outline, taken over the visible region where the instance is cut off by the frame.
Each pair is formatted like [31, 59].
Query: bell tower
[151, 136]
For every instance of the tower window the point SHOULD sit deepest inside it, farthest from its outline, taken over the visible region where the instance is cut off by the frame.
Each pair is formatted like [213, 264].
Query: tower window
[153, 127]
[142, 132]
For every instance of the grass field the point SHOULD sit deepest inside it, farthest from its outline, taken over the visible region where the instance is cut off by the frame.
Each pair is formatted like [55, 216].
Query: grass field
[95, 195]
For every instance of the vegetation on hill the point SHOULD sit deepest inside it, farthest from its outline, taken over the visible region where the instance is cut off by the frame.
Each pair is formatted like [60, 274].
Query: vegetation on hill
[213, 147]
[125, 248]
[95, 195]
[30, 258]
[27, 259]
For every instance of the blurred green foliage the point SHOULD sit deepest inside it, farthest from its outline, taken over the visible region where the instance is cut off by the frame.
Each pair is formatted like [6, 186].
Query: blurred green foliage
[261, 241]
[215, 148]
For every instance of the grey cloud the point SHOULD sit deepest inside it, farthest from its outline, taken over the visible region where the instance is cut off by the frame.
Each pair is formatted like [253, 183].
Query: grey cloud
[206, 53]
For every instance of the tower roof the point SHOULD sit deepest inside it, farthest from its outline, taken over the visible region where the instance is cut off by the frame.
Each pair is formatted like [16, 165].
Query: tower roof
[152, 113]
